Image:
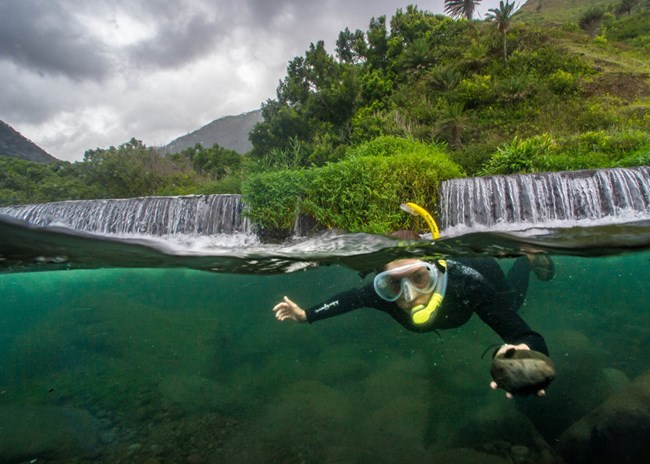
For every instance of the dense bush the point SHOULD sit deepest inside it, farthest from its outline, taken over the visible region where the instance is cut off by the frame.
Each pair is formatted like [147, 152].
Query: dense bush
[272, 199]
[359, 194]
[596, 149]
[24, 182]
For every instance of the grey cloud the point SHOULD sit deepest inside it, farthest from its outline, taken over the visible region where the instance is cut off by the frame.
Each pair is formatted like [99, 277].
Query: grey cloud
[30, 98]
[44, 37]
[178, 42]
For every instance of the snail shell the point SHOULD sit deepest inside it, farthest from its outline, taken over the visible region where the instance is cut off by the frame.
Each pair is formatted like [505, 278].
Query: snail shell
[522, 372]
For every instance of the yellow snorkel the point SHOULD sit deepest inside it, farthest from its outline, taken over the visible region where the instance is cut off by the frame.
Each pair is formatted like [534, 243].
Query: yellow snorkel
[417, 210]
[422, 315]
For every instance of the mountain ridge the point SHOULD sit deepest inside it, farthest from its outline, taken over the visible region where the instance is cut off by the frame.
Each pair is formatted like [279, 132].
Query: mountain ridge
[15, 145]
[229, 132]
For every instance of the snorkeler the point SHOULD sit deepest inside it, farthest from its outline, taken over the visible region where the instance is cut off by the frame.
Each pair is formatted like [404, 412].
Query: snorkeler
[442, 294]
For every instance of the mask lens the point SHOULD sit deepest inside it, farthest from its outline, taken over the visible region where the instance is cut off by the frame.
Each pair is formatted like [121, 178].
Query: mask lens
[421, 276]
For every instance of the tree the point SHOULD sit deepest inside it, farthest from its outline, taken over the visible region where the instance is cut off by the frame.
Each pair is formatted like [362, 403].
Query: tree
[377, 37]
[130, 170]
[459, 8]
[351, 46]
[591, 20]
[625, 7]
[502, 17]
[452, 122]
[216, 162]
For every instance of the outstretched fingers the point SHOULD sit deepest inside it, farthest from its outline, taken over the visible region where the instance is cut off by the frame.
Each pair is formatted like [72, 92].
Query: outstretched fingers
[287, 309]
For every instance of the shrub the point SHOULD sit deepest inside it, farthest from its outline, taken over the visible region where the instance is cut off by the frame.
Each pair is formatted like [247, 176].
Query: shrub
[616, 145]
[591, 20]
[272, 198]
[519, 155]
[639, 157]
[562, 82]
[363, 193]
[589, 150]
[359, 194]
[474, 91]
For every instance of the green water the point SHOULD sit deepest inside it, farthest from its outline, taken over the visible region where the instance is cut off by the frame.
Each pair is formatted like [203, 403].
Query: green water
[177, 365]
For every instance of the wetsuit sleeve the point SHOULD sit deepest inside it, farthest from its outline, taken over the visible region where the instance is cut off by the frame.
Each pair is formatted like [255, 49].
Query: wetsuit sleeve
[483, 288]
[509, 325]
[342, 303]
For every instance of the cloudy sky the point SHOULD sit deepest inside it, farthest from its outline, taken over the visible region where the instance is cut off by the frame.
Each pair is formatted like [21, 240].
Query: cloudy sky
[80, 74]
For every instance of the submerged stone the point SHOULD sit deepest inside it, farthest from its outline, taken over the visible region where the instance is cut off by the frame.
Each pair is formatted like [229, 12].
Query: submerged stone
[615, 432]
[48, 432]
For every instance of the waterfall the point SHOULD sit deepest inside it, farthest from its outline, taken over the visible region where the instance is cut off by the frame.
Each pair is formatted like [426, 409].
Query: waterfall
[192, 214]
[516, 201]
[545, 198]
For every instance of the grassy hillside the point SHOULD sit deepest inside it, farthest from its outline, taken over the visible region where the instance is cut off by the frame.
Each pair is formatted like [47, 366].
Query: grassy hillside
[557, 12]
[626, 26]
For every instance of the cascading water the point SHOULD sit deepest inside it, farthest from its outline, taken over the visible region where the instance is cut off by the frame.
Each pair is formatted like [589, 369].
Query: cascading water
[545, 199]
[158, 216]
[470, 204]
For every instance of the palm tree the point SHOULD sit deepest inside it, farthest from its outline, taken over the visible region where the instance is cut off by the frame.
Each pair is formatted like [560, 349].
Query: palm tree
[625, 7]
[502, 16]
[591, 20]
[458, 8]
[452, 122]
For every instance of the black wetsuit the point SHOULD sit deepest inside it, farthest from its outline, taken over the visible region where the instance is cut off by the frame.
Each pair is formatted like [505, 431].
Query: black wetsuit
[476, 285]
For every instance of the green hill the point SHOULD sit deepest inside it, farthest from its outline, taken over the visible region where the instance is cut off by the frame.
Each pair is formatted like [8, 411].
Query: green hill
[563, 95]
[439, 80]
[557, 12]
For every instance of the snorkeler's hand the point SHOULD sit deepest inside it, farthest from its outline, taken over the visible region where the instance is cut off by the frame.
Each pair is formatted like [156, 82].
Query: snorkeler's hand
[503, 350]
[287, 309]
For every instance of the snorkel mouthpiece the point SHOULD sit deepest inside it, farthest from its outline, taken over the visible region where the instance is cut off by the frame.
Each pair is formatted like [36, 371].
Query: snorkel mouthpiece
[421, 314]
[424, 315]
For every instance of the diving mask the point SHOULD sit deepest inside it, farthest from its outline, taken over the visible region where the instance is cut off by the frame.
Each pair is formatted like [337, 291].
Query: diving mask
[410, 279]
[407, 280]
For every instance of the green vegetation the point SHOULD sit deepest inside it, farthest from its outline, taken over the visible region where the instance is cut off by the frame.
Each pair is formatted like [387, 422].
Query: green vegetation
[130, 170]
[502, 17]
[31, 182]
[461, 8]
[399, 107]
[598, 149]
[357, 194]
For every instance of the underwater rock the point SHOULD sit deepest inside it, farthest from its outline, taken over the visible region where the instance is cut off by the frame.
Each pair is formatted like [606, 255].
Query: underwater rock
[616, 379]
[298, 422]
[193, 393]
[615, 432]
[522, 372]
[48, 432]
[399, 421]
[466, 456]
[578, 389]
[496, 422]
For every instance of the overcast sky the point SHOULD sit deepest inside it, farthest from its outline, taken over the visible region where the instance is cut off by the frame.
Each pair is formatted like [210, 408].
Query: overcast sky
[80, 74]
